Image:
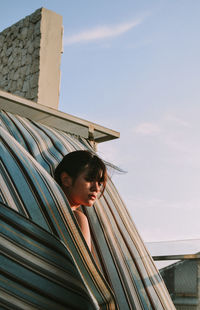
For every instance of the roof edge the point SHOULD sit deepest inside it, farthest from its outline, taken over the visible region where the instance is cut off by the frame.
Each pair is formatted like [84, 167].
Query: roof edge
[55, 118]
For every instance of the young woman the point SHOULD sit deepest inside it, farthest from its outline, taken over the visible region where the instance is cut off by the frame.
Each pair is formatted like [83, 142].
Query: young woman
[82, 176]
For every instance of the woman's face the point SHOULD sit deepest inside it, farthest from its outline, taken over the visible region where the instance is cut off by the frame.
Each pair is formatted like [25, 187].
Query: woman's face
[83, 191]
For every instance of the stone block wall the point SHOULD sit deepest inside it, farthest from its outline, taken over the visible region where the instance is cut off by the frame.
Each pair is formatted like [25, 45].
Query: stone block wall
[24, 69]
[19, 57]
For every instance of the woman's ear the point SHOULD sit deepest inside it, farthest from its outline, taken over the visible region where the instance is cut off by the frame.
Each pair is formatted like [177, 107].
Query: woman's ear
[66, 180]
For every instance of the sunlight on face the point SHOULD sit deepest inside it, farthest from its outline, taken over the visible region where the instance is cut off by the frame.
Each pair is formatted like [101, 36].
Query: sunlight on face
[83, 191]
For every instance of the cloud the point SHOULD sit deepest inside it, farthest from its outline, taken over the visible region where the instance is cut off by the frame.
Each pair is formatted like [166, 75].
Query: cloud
[147, 129]
[178, 121]
[101, 32]
[166, 125]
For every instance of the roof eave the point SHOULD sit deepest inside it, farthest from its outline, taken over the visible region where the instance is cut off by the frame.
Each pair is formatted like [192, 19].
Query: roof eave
[54, 118]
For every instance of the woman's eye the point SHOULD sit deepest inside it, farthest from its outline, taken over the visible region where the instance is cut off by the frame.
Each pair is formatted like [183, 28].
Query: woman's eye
[100, 183]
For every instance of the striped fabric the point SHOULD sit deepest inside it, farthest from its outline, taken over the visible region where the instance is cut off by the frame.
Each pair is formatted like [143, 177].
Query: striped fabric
[120, 274]
[37, 271]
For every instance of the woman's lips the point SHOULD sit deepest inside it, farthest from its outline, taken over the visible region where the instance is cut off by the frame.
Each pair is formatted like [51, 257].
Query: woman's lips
[93, 197]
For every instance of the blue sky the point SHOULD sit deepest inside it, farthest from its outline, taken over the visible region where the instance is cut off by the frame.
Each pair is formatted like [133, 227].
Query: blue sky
[134, 66]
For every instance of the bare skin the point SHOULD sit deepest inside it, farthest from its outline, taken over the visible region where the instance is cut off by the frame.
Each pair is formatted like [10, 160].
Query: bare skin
[84, 226]
[81, 192]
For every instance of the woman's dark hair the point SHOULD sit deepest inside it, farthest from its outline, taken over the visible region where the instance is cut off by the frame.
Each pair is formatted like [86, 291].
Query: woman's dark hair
[76, 162]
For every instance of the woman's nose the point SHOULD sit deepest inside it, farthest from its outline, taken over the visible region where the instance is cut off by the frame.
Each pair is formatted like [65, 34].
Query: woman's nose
[96, 186]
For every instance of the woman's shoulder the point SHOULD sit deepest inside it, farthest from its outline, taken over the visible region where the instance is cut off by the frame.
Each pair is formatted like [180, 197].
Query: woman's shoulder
[84, 226]
[80, 216]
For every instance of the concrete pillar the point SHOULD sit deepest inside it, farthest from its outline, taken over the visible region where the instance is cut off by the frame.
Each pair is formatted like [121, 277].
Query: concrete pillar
[50, 58]
[198, 284]
[30, 56]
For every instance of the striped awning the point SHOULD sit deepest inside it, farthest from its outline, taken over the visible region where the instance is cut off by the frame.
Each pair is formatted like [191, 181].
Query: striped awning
[45, 260]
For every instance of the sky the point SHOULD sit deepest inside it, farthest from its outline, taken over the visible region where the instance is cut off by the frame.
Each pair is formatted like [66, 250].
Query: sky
[134, 67]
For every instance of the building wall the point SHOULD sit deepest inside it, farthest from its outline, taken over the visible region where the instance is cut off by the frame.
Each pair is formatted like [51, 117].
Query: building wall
[182, 281]
[185, 278]
[186, 307]
[30, 54]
